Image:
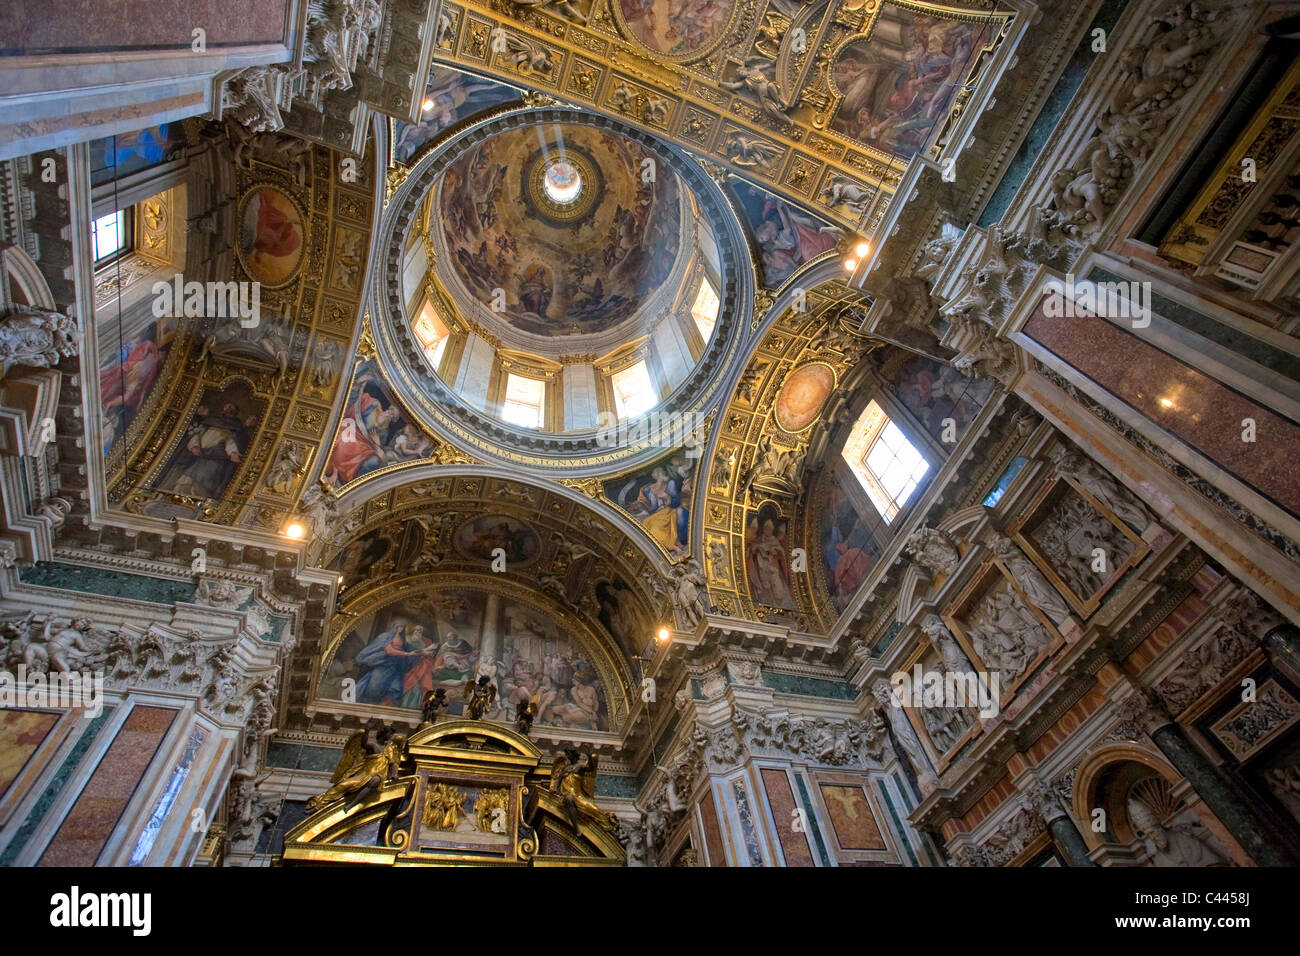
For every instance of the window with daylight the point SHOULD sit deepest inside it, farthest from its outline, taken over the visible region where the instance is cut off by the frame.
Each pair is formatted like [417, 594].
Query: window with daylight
[110, 236]
[525, 398]
[432, 333]
[885, 462]
[705, 309]
[633, 393]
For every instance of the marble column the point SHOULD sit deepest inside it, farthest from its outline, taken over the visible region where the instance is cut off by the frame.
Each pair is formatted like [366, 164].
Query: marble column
[1064, 833]
[1283, 643]
[1254, 832]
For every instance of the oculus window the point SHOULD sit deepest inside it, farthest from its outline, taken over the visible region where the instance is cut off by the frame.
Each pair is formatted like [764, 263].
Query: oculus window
[525, 398]
[889, 466]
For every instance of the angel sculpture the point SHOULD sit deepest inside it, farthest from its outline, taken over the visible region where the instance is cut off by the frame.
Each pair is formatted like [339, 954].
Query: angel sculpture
[528, 57]
[563, 6]
[480, 696]
[525, 714]
[573, 780]
[754, 77]
[435, 702]
[360, 774]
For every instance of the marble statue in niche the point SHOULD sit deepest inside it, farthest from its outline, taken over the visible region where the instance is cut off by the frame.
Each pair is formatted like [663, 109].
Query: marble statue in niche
[1173, 844]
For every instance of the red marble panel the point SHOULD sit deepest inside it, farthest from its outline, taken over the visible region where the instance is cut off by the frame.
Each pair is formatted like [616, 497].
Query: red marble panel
[87, 26]
[1188, 404]
[851, 816]
[86, 828]
[21, 732]
[794, 843]
[712, 831]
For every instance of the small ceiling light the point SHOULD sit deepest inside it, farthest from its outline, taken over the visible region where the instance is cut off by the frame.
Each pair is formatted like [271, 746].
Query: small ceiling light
[861, 249]
[850, 264]
[340, 579]
[295, 531]
[1167, 402]
[427, 105]
[663, 634]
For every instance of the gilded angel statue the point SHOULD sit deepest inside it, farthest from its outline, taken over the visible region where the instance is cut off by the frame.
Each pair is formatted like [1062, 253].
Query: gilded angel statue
[480, 696]
[573, 780]
[361, 773]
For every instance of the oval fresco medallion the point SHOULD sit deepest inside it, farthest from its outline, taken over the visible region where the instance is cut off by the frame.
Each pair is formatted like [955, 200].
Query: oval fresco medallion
[681, 29]
[479, 537]
[271, 236]
[803, 395]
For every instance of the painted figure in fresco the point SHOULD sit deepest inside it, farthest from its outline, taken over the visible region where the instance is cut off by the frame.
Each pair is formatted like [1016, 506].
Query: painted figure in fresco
[389, 657]
[769, 569]
[214, 447]
[894, 104]
[123, 387]
[277, 234]
[514, 541]
[582, 706]
[357, 559]
[616, 611]
[451, 662]
[535, 289]
[934, 392]
[453, 96]
[787, 238]
[363, 436]
[847, 546]
[663, 503]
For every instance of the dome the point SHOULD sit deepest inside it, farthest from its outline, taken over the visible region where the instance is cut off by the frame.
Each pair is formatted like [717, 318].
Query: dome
[556, 277]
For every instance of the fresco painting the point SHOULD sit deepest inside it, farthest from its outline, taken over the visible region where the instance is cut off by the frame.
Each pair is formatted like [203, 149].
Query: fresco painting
[214, 444]
[126, 378]
[374, 432]
[448, 636]
[116, 156]
[675, 27]
[659, 497]
[787, 237]
[802, 396]
[848, 549]
[270, 236]
[480, 538]
[767, 558]
[450, 96]
[583, 275]
[898, 84]
[934, 392]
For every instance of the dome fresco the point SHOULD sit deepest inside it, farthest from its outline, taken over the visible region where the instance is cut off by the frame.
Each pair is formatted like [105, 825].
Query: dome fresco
[575, 226]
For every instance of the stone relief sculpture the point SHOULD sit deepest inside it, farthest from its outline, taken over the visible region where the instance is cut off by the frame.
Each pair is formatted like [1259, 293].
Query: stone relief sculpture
[38, 338]
[941, 639]
[1159, 69]
[1005, 633]
[1036, 587]
[933, 550]
[1067, 460]
[945, 725]
[1070, 536]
